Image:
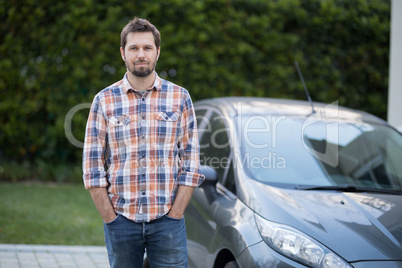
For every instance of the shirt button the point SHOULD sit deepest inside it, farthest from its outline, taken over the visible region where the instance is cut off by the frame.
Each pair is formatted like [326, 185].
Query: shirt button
[143, 193]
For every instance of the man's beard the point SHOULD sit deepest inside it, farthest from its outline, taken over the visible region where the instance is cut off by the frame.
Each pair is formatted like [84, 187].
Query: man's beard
[141, 71]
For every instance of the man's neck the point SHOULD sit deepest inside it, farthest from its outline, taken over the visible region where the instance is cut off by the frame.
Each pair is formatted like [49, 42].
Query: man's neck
[141, 83]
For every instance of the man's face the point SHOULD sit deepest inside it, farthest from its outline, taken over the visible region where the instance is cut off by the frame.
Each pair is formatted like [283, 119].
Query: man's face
[140, 54]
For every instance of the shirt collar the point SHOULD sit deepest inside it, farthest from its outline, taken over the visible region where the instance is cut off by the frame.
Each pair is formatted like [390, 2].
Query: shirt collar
[156, 86]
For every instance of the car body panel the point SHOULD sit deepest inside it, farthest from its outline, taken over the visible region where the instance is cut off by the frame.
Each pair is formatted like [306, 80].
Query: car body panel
[362, 228]
[372, 220]
[243, 105]
[376, 264]
[224, 220]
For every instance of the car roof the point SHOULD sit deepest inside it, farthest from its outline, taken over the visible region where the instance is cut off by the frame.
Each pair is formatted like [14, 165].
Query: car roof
[255, 105]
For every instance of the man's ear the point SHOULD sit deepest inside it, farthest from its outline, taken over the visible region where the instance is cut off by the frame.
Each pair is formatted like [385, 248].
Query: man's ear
[122, 54]
[159, 53]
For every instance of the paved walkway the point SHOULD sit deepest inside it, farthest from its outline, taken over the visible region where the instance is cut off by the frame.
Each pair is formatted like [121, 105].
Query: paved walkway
[45, 256]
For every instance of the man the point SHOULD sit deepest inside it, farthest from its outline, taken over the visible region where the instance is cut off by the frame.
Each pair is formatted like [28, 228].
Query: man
[141, 157]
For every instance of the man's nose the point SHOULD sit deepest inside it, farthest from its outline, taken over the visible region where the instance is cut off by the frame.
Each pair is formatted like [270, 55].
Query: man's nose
[141, 53]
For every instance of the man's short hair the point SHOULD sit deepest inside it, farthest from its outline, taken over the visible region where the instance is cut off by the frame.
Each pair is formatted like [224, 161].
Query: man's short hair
[139, 25]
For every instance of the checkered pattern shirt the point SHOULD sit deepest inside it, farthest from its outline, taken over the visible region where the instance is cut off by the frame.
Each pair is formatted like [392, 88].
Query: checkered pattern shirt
[141, 147]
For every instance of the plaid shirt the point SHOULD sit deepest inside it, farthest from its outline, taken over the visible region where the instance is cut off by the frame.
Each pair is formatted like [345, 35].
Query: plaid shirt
[141, 147]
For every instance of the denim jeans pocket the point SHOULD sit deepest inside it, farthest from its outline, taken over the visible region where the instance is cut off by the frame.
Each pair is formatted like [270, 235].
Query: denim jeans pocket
[174, 219]
[113, 221]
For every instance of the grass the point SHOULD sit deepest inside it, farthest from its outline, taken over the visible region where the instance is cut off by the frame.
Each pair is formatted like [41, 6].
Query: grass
[51, 214]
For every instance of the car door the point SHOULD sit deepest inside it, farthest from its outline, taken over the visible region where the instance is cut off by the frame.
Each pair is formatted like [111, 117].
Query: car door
[201, 214]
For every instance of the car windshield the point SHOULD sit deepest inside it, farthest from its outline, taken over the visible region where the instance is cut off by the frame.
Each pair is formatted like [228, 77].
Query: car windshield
[304, 152]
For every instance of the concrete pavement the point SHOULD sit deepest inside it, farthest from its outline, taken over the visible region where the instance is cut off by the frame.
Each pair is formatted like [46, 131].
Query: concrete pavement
[48, 256]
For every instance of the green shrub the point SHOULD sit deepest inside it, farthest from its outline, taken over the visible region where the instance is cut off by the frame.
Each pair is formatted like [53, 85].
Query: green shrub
[56, 55]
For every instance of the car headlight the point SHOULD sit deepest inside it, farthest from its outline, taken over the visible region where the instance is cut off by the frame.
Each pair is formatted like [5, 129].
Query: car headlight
[297, 246]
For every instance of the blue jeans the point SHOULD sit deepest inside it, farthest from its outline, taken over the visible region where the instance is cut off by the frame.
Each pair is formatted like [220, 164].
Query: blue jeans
[164, 240]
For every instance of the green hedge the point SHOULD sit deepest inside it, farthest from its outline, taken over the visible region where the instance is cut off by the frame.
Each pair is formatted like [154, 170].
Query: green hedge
[56, 55]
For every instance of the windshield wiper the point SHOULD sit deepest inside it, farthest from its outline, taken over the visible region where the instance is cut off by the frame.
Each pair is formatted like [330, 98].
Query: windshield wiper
[348, 188]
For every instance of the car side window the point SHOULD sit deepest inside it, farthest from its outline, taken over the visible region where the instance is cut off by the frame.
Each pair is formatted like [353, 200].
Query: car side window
[230, 183]
[201, 120]
[214, 145]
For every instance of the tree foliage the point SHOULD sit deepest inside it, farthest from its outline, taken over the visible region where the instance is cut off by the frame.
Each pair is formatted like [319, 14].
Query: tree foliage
[58, 54]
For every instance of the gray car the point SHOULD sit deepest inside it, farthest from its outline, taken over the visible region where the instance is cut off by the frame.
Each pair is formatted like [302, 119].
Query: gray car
[292, 185]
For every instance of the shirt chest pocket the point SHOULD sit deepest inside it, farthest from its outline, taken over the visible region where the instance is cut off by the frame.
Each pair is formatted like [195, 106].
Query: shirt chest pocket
[167, 123]
[120, 130]
[167, 116]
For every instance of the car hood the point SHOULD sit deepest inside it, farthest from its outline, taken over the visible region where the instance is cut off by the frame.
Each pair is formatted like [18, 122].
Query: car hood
[357, 226]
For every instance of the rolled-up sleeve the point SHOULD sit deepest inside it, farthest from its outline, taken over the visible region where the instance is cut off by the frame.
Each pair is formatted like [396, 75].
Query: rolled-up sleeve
[190, 173]
[93, 160]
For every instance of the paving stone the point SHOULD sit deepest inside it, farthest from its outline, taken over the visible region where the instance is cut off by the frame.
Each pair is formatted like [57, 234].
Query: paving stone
[47, 256]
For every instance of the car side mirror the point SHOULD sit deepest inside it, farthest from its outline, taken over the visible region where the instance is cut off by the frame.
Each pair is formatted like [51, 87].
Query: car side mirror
[209, 184]
[211, 176]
